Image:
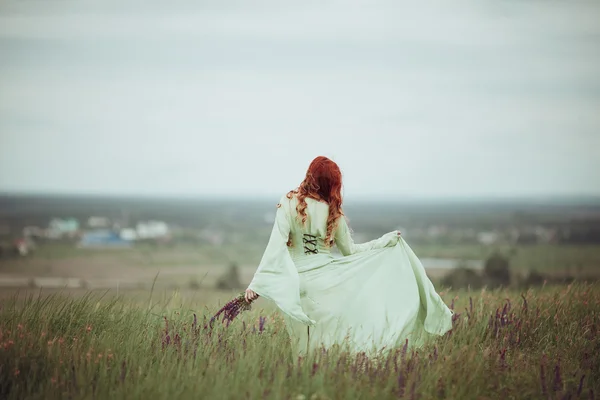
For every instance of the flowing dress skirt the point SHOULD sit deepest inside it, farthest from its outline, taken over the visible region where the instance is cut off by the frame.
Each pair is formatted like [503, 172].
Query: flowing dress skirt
[367, 302]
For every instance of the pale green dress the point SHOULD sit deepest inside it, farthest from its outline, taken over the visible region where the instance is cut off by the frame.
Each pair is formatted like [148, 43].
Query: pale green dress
[374, 297]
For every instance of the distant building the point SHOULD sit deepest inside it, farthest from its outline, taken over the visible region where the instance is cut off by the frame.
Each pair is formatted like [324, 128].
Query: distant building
[152, 230]
[487, 238]
[60, 228]
[534, 234]
[128, 234]
[103, 238]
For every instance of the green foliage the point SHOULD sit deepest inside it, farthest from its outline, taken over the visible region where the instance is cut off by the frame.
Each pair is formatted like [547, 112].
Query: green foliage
[534, 278]
[230, 279]
[463, 277]
[505, 344]
[496, 271]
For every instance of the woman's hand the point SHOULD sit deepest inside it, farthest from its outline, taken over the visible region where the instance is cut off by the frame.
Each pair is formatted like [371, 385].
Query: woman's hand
[250, 295]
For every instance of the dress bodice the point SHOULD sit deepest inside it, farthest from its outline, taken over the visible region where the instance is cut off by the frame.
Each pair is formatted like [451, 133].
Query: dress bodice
[277, 276]
[308, 239]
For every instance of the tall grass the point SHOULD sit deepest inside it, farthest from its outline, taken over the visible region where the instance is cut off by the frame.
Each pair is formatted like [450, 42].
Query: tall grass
[542, 343]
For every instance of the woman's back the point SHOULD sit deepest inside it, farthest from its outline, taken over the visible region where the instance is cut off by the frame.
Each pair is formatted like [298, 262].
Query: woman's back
[308, 238]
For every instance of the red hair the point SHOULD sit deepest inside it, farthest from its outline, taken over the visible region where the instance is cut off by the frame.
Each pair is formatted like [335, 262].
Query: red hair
[323, 182]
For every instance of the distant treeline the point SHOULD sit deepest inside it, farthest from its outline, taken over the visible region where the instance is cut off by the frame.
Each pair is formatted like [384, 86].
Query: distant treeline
[497, 272]
[577, 221]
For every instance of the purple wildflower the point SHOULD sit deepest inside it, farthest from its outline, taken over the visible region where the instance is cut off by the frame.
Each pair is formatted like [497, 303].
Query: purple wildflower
[230, 310]
[455, 317]
[261, 323]
[315, 367]
[401, 384]
[396, 360]
[413, 361]
[167, 338]
[543, 376]
[404, 348]
[557, 378]
[580, 388]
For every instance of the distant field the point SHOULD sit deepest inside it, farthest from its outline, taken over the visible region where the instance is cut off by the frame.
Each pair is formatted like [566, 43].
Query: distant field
[542, 257]
[244, 226]
[541, 343]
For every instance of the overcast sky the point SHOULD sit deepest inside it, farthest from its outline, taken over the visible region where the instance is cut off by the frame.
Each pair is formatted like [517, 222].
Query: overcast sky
[411, 98]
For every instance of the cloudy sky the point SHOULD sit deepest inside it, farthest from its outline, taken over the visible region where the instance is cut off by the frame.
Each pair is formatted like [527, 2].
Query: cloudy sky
[413, 99]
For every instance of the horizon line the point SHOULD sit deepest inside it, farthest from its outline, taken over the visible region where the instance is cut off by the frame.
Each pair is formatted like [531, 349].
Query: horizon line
[266, 196]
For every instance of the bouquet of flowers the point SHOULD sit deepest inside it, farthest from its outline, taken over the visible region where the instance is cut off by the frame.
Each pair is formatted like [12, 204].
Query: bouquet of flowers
[231, 310]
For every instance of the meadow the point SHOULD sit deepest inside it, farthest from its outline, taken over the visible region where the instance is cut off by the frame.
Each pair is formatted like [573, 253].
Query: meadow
[147, 340]
[537, 343]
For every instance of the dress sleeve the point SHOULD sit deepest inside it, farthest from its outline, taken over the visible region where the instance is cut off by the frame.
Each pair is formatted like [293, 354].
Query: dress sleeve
[346, 245]
[276, 277]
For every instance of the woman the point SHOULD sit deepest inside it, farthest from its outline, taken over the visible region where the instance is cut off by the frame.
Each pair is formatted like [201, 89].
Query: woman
[376, 296]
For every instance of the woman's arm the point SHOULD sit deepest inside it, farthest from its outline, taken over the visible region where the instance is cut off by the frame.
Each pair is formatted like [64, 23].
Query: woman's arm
[344, 241]
[276, 277]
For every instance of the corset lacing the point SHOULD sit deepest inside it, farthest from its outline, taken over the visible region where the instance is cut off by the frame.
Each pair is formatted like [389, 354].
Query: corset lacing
[310, 244]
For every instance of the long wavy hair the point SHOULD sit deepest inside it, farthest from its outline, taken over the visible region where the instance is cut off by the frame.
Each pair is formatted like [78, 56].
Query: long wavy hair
[323, 182]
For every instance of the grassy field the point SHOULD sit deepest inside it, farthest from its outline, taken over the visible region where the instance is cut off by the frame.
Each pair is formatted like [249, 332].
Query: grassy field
[542, 343]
